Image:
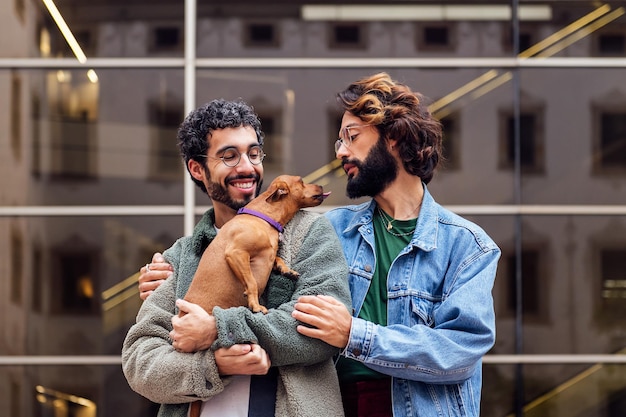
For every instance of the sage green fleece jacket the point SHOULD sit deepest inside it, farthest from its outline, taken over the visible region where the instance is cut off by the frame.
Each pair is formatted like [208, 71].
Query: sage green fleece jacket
[307, 382]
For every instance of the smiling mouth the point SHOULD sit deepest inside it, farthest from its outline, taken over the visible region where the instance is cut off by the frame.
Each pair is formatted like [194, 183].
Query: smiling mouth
[243, 185]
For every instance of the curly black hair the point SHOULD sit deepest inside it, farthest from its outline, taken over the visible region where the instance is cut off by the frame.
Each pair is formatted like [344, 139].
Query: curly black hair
[195, 131]
[401, 114]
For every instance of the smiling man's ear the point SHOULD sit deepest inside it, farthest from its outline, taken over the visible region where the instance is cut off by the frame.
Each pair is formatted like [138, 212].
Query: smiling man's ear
[196, 169]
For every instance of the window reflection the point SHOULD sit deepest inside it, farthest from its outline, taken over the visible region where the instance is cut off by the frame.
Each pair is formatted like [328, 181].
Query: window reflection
[106, 137]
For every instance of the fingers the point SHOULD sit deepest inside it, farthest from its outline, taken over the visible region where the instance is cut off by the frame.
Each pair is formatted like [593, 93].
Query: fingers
[153, 274]
[320, 300]
[146, 288]
[261, 358]
[242, 360]
[234, 350]
[329, 319]
[187, 307]
[193, 331]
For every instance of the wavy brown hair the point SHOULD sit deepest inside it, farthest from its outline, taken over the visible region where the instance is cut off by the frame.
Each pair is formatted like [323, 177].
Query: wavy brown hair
[401, 114]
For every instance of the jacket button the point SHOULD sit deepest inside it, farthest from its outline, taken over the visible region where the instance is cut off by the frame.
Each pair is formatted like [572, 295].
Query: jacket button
[368, 268]
[357, 352]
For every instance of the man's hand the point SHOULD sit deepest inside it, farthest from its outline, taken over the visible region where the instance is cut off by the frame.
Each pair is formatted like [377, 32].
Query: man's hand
[194, 331]
[330, 319]
[242, 360]
[153, 274]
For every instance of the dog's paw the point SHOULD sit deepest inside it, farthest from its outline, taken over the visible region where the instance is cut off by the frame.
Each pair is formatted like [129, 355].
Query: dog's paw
[293, 275]
[259, 309]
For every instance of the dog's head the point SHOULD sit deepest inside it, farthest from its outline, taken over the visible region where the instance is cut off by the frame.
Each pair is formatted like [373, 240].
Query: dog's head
[292, 188]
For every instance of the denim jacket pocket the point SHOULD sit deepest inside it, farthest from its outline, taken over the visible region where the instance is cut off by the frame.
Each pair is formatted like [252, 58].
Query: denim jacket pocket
[421, 309]
[450, 399]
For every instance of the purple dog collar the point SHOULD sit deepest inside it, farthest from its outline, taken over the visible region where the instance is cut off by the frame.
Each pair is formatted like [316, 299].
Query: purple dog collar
[260, 215]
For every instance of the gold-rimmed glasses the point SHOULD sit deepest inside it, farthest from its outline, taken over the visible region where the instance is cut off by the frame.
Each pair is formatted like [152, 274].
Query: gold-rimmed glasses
[345, 137]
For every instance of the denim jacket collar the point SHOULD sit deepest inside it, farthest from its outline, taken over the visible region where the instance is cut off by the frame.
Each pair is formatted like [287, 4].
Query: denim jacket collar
[425, 236]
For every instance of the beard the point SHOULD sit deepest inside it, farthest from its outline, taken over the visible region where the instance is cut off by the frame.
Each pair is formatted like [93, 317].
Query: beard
[218, 192]
[375, 173]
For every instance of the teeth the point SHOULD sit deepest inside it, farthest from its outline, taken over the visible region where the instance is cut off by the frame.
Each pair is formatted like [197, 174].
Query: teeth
[244, 185]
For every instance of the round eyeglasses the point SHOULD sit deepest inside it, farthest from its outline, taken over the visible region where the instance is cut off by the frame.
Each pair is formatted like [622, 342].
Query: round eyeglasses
[345, 137]
[231, 156]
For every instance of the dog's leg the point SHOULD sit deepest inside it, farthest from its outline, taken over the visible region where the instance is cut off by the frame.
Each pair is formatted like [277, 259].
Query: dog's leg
[194, 408]
[281, 267]
[239, 262]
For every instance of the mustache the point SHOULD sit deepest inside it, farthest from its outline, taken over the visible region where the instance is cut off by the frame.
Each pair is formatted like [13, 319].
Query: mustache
[345, 161]
[231, 178]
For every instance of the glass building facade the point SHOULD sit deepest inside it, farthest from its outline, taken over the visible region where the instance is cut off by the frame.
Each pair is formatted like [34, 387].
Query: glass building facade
[532, 96]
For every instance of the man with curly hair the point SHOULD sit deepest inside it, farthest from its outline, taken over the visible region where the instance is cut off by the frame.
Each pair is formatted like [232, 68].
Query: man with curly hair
[420, 276]
[224, 358]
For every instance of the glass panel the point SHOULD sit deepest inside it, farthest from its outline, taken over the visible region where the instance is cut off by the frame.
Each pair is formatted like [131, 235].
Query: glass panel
[70, 391]
[498, 391]
[589, 389]
[71, 132]
[240, 28]
[73, 279]
[110, 140]
[573, 284]
[575, 390]
[335, 30]
[573, 136]
[83, 30]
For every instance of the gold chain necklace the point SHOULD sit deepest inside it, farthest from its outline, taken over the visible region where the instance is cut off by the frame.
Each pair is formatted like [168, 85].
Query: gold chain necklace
[384, 218]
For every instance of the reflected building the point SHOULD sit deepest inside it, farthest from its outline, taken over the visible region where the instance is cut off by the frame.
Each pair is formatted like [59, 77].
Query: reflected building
[533, 104]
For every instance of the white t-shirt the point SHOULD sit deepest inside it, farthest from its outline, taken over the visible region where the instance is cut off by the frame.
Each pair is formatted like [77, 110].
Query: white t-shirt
[232, 402]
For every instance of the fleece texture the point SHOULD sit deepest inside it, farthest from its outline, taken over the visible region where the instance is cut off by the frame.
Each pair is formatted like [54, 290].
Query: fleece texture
[307, 384]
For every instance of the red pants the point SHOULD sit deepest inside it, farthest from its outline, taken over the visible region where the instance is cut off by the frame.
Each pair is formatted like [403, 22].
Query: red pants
[370, 398]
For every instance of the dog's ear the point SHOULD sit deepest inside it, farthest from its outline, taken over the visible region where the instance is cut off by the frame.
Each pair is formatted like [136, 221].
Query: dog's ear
[281, 189]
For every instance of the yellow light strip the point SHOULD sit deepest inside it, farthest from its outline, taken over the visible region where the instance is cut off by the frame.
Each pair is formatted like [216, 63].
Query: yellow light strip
[456, 94]
[492, 85]
[582, 33]
[557, 42]
[93, 77]
[320, 172]
[120, 286]
[65, 30]
[120, 298]
[67, 397]
[566, 31]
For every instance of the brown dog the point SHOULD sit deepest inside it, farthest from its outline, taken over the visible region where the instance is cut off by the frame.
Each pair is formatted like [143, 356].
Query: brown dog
[235, 267]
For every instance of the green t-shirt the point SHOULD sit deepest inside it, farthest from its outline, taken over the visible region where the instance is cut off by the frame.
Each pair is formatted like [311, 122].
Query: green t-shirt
[389, 243]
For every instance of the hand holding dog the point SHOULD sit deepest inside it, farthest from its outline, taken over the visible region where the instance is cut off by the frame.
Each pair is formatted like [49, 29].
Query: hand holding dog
[195, 331]
[330, 319]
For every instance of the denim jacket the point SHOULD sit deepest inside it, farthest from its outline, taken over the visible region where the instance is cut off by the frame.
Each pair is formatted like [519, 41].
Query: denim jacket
[440, 312]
